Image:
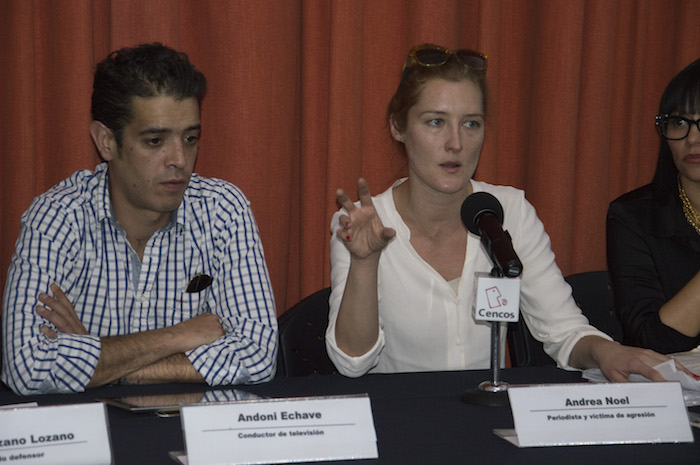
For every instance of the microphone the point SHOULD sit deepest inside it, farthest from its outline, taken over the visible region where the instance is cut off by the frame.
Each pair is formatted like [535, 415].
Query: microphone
[482, 214]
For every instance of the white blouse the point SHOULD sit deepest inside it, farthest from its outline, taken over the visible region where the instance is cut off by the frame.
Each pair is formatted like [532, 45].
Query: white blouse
[424, 325]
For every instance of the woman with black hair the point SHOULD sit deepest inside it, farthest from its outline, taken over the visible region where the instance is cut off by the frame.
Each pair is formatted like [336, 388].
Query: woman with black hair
[653, 233]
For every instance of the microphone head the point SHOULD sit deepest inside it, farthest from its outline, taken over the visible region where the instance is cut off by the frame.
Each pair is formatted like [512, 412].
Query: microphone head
[478, 204]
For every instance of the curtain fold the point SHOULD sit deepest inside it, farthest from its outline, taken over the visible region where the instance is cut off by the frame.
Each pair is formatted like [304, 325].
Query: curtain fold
[298, 92]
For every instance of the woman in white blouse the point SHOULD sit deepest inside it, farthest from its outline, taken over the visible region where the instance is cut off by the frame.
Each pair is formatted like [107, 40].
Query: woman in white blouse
[403, 263]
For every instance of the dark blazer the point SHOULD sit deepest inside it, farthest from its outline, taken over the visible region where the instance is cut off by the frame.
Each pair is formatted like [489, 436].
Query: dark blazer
[652, 253]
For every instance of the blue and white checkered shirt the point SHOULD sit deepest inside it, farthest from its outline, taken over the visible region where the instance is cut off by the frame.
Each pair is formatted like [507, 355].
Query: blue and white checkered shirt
[69, 236]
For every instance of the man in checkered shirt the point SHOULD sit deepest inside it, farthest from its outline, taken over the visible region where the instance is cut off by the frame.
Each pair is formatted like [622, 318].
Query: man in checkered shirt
[139, 271]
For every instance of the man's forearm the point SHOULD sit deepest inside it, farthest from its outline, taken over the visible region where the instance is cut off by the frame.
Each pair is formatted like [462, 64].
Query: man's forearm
[121, 356]
[175, 368]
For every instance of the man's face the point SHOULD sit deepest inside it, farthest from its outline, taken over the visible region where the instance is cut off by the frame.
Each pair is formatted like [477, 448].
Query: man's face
[152, 168]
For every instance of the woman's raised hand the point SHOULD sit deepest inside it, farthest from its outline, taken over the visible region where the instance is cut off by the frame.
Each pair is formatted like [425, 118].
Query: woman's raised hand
[361, 229]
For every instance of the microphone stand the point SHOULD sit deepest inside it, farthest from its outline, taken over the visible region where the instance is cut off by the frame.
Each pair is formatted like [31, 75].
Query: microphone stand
[493, 393]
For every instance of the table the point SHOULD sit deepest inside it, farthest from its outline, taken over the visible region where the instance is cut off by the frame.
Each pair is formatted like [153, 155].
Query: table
[419, 419]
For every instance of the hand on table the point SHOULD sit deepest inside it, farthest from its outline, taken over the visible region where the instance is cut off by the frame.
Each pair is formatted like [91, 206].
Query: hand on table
[618, 362]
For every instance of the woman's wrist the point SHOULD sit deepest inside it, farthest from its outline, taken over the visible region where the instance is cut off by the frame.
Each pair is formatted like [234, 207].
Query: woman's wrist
[589, 352]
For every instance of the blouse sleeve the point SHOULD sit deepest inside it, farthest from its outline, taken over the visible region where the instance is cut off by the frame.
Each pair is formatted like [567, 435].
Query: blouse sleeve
[549, 309]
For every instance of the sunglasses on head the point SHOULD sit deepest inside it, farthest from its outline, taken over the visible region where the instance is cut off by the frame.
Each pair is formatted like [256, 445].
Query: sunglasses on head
[432, 55]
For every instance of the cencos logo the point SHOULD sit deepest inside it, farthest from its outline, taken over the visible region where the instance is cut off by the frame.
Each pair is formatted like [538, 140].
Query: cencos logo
[497, 299]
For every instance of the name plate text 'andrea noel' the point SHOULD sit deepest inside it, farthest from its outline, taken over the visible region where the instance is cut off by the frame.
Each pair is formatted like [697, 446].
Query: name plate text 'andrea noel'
[606, 413]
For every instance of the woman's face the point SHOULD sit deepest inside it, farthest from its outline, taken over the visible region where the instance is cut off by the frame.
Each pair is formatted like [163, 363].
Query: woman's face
[444, 134]
[686, 152]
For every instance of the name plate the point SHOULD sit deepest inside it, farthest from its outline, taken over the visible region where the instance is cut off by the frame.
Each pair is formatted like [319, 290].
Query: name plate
[280, 430]
[75, 434]
[612, 413]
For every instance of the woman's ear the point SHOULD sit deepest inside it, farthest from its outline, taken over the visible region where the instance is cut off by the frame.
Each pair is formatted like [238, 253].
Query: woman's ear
[104, 140]
[396, 133]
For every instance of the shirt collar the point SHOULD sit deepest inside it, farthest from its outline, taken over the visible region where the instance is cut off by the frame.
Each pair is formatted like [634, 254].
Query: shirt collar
[104, 204]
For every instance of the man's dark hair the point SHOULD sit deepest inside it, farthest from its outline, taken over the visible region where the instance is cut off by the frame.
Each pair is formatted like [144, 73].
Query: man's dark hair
[147, 70]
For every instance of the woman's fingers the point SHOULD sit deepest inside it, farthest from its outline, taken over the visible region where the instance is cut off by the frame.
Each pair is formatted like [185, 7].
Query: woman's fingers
[344, 200]
[364, 193]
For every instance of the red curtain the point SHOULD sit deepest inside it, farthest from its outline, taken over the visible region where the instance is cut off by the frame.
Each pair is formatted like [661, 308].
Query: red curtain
[298, 91]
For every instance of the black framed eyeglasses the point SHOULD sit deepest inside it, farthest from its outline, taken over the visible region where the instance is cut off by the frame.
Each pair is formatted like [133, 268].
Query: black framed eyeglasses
[433, 55]
[674, 127]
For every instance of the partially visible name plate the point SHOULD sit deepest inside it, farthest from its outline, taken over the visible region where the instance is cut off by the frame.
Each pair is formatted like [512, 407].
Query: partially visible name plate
[75, 434]
[280, 430]
[612, 413]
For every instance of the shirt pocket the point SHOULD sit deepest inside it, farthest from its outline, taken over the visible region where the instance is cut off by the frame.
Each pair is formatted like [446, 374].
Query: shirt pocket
[186, 305]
